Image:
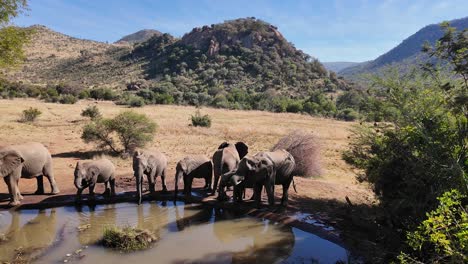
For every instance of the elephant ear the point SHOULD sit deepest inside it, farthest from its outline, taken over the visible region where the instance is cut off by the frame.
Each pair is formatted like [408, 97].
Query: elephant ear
[242, 149]
[93, 172]
[223, 145]
[9, 162]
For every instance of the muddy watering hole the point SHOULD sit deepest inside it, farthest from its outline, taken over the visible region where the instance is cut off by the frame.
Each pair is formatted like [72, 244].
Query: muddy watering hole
[188, 234]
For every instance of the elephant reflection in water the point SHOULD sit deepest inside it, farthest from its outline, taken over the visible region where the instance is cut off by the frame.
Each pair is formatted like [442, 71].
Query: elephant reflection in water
[33, 237]
[93, 222]
[202, 216]
[155, 220]
[268, 245]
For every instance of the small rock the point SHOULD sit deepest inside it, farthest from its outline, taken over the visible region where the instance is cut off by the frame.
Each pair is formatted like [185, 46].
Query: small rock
[68, 255]
[65, 260]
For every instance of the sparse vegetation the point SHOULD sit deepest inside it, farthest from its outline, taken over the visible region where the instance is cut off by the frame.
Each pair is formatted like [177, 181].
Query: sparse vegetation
[30, 115]
[92, 112]
[305, 149]
[121, 134]
[127, 239]
[201, 120]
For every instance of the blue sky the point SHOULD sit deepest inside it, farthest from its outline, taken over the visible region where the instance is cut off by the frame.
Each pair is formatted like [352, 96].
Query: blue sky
[335, 30]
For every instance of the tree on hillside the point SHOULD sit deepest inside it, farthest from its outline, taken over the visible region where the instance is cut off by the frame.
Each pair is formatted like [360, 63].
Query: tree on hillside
[12, 39]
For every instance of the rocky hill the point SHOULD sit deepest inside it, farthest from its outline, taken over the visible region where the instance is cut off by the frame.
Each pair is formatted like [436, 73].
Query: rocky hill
[139, 36]
[247, 55]
[407, 53]
[338, 66]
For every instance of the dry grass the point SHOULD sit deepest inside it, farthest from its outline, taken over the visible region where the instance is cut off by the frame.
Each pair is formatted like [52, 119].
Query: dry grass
[305, 149]
[60, 128]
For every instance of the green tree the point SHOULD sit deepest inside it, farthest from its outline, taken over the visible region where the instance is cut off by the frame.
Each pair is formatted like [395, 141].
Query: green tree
[12, 39]
[121, 134]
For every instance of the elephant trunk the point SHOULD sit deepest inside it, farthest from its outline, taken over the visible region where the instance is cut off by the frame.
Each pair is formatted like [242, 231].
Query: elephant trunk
[78, 184]
[178, 178]
[139, 184]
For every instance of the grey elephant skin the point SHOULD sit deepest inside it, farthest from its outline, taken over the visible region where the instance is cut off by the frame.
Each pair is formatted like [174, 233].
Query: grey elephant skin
[29, 160]
[264, 169]
[151, 163]
[226, 158]
[87, 174]
[191, 167]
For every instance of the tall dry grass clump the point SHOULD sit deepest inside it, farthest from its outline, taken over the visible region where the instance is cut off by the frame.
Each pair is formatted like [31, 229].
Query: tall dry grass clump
[305, 149]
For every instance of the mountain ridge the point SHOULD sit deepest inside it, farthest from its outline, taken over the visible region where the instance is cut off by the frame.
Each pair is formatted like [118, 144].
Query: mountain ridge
[407, 53]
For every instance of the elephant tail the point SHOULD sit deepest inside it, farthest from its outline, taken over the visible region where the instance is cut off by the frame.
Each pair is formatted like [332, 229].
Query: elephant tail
[294, 185]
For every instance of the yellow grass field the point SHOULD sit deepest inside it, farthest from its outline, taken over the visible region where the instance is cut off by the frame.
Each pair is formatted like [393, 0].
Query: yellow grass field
[60, 126]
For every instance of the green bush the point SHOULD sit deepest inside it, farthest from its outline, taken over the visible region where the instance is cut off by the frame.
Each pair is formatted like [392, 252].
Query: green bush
[121, 134]
[30, 115]
[443, 236]
[294, 107]
[127, 239]
[201, 120]
[67, 99]
[348, 114]
[103, 94]
[135, 101]
[92, 112]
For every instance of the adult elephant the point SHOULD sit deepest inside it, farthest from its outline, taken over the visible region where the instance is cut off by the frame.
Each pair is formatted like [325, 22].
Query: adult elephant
[191, 167]
[151, 163]
[264, 169]
[30, 160]
[226, 158]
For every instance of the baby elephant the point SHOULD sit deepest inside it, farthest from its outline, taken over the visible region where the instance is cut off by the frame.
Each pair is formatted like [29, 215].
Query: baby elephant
[191, 167]
[87, 174]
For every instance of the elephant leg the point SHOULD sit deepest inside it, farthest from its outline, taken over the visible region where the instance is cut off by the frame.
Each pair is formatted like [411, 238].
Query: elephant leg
[40, 185]
[112, 186]
[50, 176]
[163, 181]
[270, 189]
[78, 193]
[215, 184]
[14, 190]
[91, 189]
[258, 194]
[152, 182]
[106, 189]
[284, 199]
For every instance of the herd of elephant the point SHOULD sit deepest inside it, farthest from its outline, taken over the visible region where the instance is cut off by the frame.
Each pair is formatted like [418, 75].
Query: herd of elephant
[231, 166]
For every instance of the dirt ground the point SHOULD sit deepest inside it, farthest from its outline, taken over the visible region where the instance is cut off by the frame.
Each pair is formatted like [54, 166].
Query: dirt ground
[60, 126]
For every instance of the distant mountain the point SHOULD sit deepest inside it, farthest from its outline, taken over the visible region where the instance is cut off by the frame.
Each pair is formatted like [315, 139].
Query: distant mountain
[407, 53]
[337, 66]
[140, 36]
[246, 55]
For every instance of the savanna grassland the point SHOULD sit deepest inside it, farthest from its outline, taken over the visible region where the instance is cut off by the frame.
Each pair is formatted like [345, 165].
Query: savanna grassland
[60, 127]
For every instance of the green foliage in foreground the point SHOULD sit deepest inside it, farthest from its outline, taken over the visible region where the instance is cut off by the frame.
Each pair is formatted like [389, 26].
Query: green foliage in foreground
[30, 115]
[127, 239]
[201, 120]
[443, 236]
[12, 39]
[121, 134]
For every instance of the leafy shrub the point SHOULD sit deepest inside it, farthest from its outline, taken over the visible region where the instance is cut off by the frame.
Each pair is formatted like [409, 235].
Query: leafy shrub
[420, 155]
[103, 94]
[348, 114]
[30, 115]
[305, 149]
[127, 239]
[135, 101]
[201, 120]
[121, 134]
[67, 99]
[92, 112]
[443, 236]
[294, 107]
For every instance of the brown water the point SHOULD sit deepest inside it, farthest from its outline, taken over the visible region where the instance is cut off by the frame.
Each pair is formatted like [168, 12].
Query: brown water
[189, 234]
